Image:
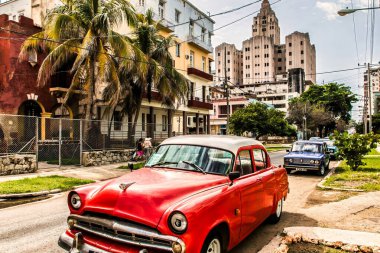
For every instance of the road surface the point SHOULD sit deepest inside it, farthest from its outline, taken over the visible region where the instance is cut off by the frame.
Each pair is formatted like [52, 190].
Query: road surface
[35, 227]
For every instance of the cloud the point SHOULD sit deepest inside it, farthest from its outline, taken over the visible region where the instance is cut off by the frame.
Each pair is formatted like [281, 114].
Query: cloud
[332, 7]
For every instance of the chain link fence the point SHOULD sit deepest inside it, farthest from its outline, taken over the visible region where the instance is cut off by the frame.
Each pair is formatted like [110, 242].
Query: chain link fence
[60, 141]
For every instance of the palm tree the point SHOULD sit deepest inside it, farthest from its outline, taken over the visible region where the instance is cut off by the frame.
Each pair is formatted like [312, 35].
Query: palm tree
[81, 33]
[158, 72]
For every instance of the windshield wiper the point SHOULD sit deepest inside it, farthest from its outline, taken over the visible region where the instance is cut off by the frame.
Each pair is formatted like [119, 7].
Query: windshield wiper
[194, 166]
[162, 163]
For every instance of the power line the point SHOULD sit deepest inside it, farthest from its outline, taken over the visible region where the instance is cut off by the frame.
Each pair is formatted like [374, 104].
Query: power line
[217, 14]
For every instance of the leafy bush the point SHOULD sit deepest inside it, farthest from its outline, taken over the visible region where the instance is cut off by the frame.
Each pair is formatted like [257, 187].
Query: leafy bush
[353, 147]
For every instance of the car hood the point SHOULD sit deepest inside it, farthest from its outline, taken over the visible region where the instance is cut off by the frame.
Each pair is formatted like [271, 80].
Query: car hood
[149, 193]
[304, 155]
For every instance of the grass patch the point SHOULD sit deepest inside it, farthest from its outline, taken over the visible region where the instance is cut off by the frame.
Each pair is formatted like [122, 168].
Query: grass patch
[38, 184]
[374, 152]
[136, 166]
[366, 178]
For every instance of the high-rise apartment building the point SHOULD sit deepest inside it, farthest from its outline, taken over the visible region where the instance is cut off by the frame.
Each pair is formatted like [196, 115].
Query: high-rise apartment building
[229, 60]
[275, 72]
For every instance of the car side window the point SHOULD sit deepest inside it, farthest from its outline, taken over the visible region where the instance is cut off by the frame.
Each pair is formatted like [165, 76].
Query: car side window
[260, 159]
[244, 162]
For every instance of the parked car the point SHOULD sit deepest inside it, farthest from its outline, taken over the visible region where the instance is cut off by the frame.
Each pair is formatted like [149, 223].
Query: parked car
[314, 138]
[308, 156]
[331, 149]
[195, 194]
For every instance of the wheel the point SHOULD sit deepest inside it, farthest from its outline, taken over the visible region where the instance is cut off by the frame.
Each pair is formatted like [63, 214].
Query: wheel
[274, 218]
[322, 170]
[213, 244]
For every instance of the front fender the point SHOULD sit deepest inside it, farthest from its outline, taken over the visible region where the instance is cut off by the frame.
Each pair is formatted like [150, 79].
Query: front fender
[204, 212]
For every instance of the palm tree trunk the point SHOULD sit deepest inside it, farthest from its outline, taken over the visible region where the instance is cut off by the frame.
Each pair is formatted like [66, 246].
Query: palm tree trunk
[90, 99]
[137, 114]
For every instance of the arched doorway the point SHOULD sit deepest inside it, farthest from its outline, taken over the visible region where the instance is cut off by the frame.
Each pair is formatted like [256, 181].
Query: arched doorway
[30, 109]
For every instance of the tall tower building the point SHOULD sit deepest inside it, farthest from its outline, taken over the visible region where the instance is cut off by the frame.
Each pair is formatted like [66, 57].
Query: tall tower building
[273, 71]
[266, 23]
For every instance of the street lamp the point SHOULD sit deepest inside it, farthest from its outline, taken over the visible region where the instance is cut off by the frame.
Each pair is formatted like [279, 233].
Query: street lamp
[346, 11]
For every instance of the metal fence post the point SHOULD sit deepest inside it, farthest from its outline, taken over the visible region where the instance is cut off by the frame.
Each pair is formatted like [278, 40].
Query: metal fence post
[60, 143]
[37, 137]
[80, 141]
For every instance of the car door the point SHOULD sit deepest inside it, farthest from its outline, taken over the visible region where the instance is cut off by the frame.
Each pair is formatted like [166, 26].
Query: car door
[264, 170]
[326, 154]
[251, 190]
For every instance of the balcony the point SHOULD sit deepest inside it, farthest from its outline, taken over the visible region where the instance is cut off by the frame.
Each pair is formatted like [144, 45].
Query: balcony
[197, 42]
[199, 73]
[199, 104]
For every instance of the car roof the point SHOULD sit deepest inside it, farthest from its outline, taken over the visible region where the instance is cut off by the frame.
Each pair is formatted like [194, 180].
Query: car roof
[312, 142]
[230, 143]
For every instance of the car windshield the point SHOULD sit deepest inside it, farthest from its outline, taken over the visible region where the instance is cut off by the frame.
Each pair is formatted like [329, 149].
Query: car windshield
[307, 147]
[192, 158]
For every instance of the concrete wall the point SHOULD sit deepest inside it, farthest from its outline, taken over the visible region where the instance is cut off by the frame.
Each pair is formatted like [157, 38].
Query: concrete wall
[97, 158]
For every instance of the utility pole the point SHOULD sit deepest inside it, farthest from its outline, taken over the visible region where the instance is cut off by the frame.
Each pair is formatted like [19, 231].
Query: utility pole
[226, 88]
[369, 97]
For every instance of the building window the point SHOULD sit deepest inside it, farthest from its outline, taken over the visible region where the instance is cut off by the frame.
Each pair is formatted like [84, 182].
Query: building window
[228, 53]
[117, 121]
[219, 55]
[204, 64]
[266, 46]
[279, 68]
[301, 51]
[143, 122]
[203, 35]
[228, 61]
[177, 16]
[264, 29]
[191, 28]
[178, 49]
[290, 62]
[142, 2]
[192, 59]
[290, 44]
[164, 123]
[290, 53]
[301, 42]
[161, 9]
[279, 51]
[302, 61]
[279, 59]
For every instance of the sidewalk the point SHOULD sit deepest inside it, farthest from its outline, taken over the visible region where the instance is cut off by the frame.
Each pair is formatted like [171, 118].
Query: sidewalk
[97, 173]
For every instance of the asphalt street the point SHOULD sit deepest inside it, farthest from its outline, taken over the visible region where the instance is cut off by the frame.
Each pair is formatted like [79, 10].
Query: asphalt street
[35, 227]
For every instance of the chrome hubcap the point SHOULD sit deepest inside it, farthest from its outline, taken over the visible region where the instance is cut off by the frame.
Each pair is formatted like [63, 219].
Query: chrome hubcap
[279, 208]
[323, 170]
[214, 246]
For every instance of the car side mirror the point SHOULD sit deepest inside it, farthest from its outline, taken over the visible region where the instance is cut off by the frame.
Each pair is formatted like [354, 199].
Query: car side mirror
[234, 175]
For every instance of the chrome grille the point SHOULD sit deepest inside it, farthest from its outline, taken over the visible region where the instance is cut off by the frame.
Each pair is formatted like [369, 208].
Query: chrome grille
[124, 232]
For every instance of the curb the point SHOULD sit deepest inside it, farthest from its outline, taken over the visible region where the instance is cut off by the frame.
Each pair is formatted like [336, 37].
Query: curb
[29, 194]
[321, 186]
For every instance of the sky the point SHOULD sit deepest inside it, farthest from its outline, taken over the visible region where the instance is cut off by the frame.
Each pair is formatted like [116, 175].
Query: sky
[333, 35]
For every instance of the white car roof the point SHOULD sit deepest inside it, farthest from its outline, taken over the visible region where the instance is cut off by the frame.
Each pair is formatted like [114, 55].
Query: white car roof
[230, 143]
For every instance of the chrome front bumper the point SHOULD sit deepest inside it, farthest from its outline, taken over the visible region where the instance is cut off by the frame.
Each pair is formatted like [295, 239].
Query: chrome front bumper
[122, 232]
[66, 242]
[294, 167]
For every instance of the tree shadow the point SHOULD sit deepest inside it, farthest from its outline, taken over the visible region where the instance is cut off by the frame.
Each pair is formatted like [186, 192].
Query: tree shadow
[265, 232]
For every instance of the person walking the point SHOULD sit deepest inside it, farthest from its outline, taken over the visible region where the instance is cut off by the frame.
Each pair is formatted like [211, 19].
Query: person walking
[148, 147]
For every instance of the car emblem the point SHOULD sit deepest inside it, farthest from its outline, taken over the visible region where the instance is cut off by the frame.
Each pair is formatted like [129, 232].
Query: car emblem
[125, 186]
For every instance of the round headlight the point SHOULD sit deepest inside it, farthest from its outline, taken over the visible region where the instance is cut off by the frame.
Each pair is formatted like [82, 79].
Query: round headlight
[316, 162]
[311, 161]
[177, 223]
[75, 201]
[291, 160]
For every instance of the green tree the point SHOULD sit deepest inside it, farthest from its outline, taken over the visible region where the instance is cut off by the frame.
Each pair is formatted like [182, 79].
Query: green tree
[335, 98]
[80, 34]
[376, 123]
[259, 119]
[353, 147]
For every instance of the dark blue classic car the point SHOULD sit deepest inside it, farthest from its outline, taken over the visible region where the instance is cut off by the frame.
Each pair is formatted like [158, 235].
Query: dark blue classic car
[308, 155]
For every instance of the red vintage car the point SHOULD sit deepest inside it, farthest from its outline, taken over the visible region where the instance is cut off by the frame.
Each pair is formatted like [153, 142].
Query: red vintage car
[195, 194]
